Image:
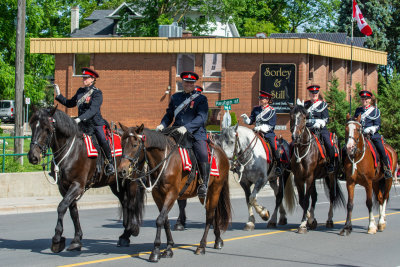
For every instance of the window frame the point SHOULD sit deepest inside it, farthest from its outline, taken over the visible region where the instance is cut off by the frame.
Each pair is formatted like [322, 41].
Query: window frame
[204, 65]
[74, 64]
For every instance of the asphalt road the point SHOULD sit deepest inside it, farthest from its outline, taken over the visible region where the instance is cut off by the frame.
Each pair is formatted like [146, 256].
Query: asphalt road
[25, 239]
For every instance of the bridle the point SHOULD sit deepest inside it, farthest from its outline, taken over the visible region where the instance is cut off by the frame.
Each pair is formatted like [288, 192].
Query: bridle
[297, 144]
[352, 159]
[44, 147]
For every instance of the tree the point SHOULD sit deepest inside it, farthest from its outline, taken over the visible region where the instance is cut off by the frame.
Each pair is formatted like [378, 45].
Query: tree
[389, 106]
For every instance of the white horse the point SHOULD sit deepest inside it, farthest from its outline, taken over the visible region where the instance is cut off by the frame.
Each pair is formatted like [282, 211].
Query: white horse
[249, 160]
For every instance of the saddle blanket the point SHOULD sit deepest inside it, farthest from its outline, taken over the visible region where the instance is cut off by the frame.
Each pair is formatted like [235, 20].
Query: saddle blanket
[266, 147]
[92, 151]
[187, 163]
[375, 153]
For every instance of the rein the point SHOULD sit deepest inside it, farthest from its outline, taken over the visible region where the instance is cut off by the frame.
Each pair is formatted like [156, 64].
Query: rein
[135, 162]
[237, 155]
[296, 148]
[354, 163]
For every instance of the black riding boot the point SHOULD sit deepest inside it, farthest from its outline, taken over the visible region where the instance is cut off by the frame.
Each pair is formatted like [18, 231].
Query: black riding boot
[205, 175]
[109, 169]
[386, 168]
[278, 169]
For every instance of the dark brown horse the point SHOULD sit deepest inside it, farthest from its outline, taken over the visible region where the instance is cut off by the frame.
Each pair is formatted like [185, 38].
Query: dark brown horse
[55, 129]
[167, 178]
[307, 165]
[360, 169]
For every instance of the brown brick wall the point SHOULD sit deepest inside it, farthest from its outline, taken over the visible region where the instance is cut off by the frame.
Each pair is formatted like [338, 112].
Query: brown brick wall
[133, 84]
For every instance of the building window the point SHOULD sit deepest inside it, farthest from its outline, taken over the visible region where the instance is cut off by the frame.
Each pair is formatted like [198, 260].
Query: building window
[310, 67]
[212, 65]
[212, 87]
[179, 86]
[81, 61]
[185, 62]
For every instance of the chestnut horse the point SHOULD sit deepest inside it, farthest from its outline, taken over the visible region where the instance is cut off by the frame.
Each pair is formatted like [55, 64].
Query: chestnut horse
[166, 178]
[55, 129]
[307, 165]
[360, 169]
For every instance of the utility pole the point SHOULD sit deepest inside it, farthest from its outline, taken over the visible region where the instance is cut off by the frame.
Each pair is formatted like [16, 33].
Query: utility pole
[19, 80]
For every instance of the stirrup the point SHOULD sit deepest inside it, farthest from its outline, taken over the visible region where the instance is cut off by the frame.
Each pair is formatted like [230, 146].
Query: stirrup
[387, 173]
[202, 191]
[278, 171]
[109, 169]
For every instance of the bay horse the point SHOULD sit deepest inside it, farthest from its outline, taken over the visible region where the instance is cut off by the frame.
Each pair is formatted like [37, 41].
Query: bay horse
[360, 169]
[249, 160]
[166, 179]
[307, 165]
[52, 128]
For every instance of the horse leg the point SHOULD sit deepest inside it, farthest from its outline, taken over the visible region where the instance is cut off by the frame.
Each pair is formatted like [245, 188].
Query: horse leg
[371, 226]
[76, 242]
[164, 204]
[251, 221]
[279, 198]
[58, 241]
[304, 200]
[312, 222]
[170, 242]
[332, 192]
[262, 211]
[181, 221]
[348, 226]
[275, 187]
[211, 205]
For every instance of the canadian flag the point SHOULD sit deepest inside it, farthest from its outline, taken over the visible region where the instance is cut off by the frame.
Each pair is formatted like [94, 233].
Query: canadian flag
[362, 24]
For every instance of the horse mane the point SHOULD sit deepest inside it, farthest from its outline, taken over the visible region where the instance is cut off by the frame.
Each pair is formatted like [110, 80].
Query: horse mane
[62, 122]
[299, 108]
[156, 140]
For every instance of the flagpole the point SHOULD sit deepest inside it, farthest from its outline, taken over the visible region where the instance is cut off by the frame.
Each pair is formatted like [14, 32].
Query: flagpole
[351, 53]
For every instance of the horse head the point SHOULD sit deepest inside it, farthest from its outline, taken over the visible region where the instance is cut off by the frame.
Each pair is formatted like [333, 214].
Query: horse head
[42, 126]
[298, 116]
[353, 134]
[228, 140]
[132, 143]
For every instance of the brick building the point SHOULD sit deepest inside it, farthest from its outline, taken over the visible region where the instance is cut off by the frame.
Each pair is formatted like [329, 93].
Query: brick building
[135, 73]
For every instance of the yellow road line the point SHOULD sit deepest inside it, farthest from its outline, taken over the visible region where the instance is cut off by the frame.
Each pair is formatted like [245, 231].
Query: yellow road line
[210, 242]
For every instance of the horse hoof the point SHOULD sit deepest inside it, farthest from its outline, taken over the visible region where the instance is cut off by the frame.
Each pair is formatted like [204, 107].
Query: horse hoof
[219, 244]
[57, 247]
[313, 225]
[167, 254]
[200, 250]
[155, 256]
[345, 232]
[282, 221]
[75, 246]
[264, 215]
[249, 226]
[271, 225]
[381, 227]
[329, 224]
[123, 242]
[302, 230]
[179, 227]
[372, 231]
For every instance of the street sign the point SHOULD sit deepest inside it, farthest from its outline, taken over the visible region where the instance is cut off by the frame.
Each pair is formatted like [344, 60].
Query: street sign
[227, 107]
[27, 101]
[227, 102]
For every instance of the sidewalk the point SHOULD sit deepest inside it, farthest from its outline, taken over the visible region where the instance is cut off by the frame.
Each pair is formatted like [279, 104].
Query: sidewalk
[17, 205]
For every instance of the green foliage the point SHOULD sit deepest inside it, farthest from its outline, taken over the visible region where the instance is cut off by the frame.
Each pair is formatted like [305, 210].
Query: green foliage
[216, 128]
[338, 109]
[233, 118]
[389, 106]
[251, 27]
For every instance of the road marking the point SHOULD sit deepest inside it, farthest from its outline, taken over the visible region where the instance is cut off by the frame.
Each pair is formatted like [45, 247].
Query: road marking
[208, 243]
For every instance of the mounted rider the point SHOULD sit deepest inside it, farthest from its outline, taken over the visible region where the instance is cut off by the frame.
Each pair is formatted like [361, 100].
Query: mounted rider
[264, 116]
[318, 116]
[371, 123]
[89, 99]
[190, 110]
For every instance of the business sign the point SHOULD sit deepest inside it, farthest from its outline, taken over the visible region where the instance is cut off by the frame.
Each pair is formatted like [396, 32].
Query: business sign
[280, 81]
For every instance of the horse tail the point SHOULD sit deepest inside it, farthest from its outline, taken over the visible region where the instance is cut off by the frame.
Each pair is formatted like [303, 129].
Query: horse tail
[335, 194]
[137, 197]
[289, 195]
[223, 212]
